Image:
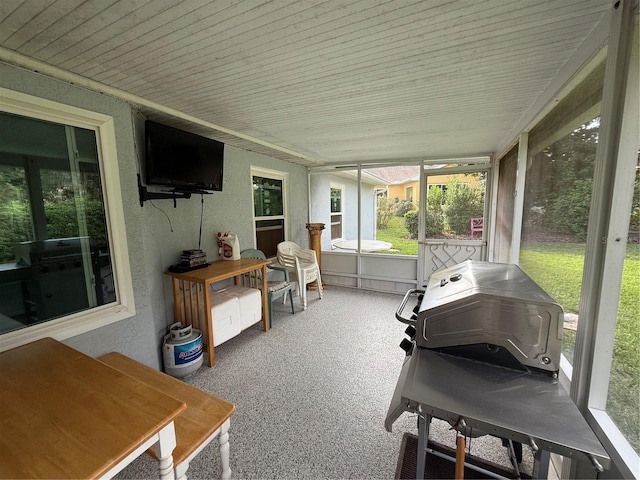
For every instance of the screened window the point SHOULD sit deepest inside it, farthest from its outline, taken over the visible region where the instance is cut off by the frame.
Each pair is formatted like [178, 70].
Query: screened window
[557, 198]
[623, 398]
[397, 194]
[455, 204]
[505, 205]
[558, 195]
[367, 213]
[555, 219]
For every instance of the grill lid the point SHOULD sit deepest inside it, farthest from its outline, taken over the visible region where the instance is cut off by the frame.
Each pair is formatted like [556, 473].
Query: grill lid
[473, 277]
[491, 305]
[46, 251]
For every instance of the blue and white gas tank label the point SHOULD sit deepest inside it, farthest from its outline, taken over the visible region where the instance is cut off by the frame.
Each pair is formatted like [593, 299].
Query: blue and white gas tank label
[187, 353]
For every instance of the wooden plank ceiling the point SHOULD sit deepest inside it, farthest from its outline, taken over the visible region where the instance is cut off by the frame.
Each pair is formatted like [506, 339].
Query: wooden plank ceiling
[317, 82]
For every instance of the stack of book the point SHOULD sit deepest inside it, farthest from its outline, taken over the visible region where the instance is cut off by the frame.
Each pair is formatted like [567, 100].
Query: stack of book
[193, 258]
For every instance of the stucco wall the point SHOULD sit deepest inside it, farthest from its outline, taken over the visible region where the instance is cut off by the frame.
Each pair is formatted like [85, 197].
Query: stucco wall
[156, 236]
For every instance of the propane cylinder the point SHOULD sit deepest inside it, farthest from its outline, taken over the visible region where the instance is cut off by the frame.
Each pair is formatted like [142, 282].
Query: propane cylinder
[182, 350]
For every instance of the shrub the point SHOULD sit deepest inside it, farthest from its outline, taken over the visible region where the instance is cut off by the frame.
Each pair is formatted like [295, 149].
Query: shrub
[569, 213]
[434, 222]
[16, 221]
[462, 203]
[411, 223]
[62, 220]
[384, 212]
[403, 207]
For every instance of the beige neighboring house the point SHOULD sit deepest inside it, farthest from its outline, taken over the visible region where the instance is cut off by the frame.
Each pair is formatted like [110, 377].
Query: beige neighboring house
[404, 182]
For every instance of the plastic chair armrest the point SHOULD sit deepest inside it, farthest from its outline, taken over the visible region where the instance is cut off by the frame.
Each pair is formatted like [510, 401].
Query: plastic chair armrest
[280, 268]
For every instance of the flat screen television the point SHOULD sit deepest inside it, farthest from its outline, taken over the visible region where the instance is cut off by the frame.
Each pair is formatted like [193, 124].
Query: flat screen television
[181, 160]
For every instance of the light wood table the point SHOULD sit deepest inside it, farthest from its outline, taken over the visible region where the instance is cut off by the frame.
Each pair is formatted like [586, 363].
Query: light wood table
[192, 293]
[64, 414]
[206, 418]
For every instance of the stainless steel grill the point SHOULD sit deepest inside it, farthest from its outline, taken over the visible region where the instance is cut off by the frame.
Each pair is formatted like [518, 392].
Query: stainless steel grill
[492, 312]
[470, 322]
[56, 252]
[56, 283]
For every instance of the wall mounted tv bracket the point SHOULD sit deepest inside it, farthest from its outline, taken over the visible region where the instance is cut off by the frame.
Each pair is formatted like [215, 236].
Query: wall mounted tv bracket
[173, 194]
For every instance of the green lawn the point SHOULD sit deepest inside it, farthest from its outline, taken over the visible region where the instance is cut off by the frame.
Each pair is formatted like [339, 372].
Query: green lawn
[557, 268]
[397, 235]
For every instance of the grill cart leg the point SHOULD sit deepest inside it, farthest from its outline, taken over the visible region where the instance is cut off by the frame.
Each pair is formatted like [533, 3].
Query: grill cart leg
[541, 464]
[424, 421]
[514, 457]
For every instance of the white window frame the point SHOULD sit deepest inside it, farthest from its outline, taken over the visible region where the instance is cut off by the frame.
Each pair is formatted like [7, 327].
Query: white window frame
[341, 187]
[617, 147]
[124, 306]
[588, 378]
[274, 175]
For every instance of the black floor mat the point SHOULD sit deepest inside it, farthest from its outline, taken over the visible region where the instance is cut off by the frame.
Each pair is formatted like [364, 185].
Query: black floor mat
[437, 467]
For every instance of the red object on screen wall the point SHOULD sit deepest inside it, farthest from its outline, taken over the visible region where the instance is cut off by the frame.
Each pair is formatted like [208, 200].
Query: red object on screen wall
[477, 224]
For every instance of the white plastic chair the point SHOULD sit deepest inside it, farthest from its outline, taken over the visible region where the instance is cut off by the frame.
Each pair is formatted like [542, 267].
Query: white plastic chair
[301, 264]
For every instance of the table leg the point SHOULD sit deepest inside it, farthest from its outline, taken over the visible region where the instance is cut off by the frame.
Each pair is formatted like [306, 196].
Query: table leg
[181, 470]
[423, 439]
[223, 440]
[177, 309]
[265, 298]
[209, 316]
[164, 450]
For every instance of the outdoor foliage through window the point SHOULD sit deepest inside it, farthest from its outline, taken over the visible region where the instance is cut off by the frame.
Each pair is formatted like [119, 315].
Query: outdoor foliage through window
[451, 208]
[557, 200]
[54, 245]
[15, 211]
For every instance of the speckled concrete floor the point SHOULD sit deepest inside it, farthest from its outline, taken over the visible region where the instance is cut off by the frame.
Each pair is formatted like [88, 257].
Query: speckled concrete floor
[312, 394]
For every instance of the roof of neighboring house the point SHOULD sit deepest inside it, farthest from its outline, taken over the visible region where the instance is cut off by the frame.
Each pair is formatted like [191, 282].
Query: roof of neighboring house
[397, 174]
[414, 178]
[367, 177]
[402, 174]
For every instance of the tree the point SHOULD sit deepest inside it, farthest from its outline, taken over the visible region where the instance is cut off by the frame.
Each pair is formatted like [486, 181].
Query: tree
[411, 223]
[15, 219]
[462, 203]
[559, 183]
[434, 222]
[62, 219]
[384, 211]
[569, 212]
[403, 207]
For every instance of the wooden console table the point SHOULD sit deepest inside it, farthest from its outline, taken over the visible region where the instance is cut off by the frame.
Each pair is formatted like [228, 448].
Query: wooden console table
[67, 415]
[192, 293]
